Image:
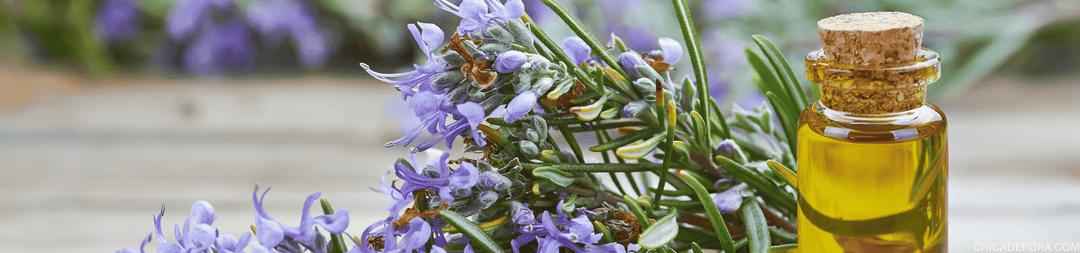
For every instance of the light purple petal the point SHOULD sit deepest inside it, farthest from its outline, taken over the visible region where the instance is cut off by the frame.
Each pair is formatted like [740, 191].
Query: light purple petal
[465, 176]
[335, 223]
[514, 9]
[268, 232]
[258, 248]
[672, 50]
[203, 212]
[510, 61]
[419, 233]
[576, 49]
[185, 18]
[521, 104]
[202, 237]
[169, 248]
[629, 62]
[474, 113]
[729, 200]
[424, 103]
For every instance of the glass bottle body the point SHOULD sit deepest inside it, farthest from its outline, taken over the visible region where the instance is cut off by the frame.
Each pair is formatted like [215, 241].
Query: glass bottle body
[872, 182]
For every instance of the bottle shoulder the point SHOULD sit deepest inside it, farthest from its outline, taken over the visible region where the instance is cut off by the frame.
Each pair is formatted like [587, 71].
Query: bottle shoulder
[892, 127]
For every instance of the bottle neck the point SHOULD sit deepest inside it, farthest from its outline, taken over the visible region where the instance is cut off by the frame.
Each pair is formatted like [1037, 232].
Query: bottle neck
[872, 101]
[872, 90]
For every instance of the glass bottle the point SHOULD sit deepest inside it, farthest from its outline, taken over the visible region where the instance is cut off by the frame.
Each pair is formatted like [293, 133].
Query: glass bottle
[873, 161]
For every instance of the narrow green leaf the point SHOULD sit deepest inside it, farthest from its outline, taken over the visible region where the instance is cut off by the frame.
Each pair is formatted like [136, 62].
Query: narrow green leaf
[757, 229]
[636, 210]
[697, 59]
[594, 167]
[660, 233]
[604, 231]
[711, 211]
[554, 176]
[476, 236]
[625, 140]
[768, 77]
[697, 249]
[784, 248]
[337, 243]
[784, 172]
[785, 70]
[787, 82]
[783, 236]
[787, 122]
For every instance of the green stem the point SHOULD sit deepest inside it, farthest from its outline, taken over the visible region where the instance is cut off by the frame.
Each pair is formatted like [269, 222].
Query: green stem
[607, 159]
[606, 126]
[667, 153]
[593, 167]
[570, 139]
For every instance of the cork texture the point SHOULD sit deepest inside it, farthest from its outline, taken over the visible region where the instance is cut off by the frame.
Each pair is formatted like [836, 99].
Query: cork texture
[871, 38]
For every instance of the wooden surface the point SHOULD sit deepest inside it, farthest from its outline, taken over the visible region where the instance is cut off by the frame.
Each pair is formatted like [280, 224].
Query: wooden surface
[83, 170]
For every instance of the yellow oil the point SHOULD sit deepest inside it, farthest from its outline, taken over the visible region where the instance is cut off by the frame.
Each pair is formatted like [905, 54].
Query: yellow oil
[872, 183]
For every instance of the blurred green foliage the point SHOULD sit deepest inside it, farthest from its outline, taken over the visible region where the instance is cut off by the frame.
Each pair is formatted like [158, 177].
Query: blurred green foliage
[974, 37]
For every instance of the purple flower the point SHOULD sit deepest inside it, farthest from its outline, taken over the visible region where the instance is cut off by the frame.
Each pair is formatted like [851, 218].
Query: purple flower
[189, 15]
[555, 234]
[197, 238]
[119, 19]
[445, 182]
[398, 199]
[227, 243]
[428, 37]
[576, 49]
[629, 62]
[142, 247]
[219, 48]
[216, 37]
[270, 232]
[412, 237]
[521, 104]
[492, 180]
[475, 14]
[275, 19]
[521, 213]
[729, 200]
[671, 49]
[510, 61]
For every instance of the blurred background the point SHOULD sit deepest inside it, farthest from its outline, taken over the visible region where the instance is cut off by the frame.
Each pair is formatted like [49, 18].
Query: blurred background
[109, 108]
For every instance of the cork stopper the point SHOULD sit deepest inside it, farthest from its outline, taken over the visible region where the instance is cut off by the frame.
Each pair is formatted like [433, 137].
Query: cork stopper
[871, 38]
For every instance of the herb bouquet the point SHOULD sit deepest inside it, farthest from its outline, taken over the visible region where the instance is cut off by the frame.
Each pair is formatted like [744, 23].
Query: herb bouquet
[676, 174]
